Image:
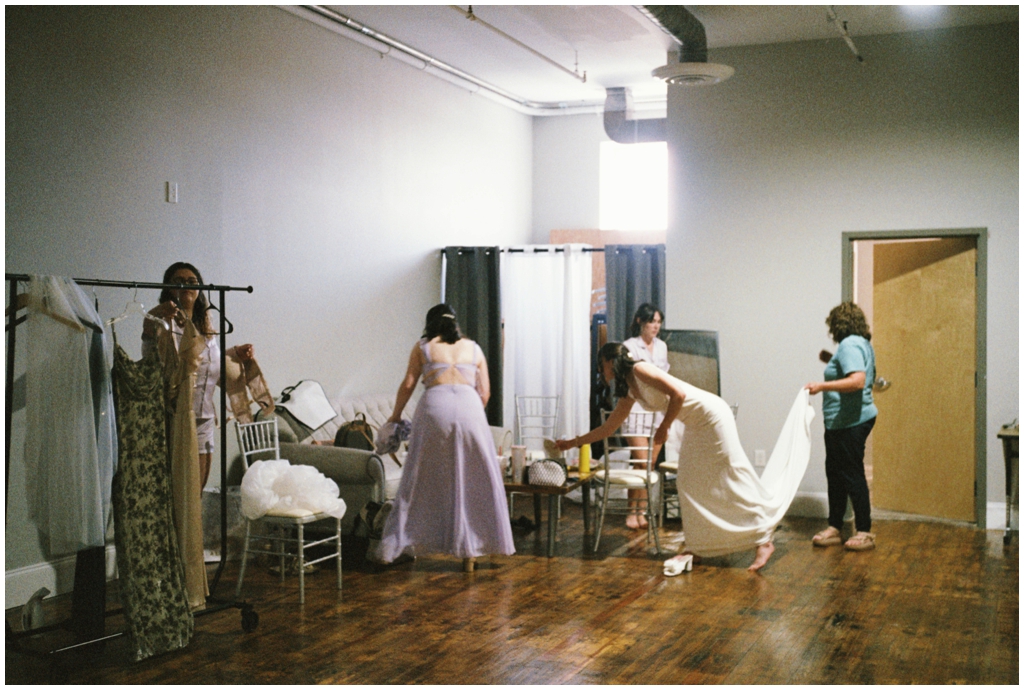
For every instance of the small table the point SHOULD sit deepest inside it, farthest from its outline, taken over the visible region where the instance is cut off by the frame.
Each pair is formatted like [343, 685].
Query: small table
[553, 493]
[1011, 455]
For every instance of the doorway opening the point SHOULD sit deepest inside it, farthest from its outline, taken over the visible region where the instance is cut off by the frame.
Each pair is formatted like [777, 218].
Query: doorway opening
[923, 295]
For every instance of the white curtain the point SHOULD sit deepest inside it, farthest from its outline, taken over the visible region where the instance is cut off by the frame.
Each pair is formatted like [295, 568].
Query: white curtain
[545, 304]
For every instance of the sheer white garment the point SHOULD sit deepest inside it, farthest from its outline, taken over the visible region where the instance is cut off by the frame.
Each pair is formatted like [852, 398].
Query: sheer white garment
[725, 506]
[545, 304]
[71, 439]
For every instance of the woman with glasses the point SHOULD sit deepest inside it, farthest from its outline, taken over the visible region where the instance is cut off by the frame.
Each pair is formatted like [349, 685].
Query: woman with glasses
[178, 307]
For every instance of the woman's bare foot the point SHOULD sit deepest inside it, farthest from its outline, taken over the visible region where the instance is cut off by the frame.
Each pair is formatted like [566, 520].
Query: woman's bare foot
[761, 556]
[636, 521]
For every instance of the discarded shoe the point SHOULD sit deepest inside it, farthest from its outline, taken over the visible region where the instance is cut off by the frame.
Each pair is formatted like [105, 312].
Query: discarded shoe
[678, 564]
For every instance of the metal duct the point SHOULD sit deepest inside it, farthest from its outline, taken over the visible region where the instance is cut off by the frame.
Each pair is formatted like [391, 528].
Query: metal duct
[621, 127]
[678, 21]
[692, 69]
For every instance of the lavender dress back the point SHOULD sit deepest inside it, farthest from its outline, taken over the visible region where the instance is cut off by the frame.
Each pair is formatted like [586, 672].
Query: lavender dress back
[451, 498]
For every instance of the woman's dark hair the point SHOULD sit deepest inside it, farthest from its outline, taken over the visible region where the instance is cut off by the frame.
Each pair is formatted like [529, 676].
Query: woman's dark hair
[441, 322]
[200, 316]
[645, 313]
[845, 320]
[623, 362]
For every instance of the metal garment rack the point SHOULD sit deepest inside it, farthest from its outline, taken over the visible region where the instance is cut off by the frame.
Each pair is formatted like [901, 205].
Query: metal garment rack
[249, 617]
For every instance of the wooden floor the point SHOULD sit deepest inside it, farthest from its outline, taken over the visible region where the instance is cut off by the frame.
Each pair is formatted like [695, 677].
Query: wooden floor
[932, 604]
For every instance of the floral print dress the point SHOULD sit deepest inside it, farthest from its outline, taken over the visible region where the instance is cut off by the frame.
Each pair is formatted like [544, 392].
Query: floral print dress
[150, 567]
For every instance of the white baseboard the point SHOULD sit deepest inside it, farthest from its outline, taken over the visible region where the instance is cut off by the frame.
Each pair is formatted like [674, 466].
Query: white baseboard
[57, 576]
[995, 515]
[815, 505]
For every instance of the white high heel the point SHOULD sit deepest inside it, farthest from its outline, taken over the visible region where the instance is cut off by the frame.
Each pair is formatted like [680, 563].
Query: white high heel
[678, 564]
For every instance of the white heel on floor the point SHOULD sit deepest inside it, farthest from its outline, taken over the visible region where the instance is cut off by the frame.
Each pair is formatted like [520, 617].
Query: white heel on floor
[678, 564]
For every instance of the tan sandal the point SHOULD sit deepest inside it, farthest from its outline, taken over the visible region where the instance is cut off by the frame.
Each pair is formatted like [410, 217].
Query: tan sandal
[827, 537]
[861, 541]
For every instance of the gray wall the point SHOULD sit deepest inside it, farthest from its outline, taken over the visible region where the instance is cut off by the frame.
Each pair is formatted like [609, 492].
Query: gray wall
[803, 143]
[566, 173]
[308, 167]
[769, 168]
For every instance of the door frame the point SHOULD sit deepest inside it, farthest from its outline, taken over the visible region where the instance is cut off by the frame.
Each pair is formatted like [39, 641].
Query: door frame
[980, 236]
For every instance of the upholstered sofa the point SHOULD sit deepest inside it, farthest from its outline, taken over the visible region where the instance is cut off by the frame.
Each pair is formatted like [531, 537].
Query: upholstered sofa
[361, 475]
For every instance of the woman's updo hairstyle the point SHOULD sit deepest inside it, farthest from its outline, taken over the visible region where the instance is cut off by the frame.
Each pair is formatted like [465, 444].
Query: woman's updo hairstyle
[622, 365]
[441, 322]
[645, 313]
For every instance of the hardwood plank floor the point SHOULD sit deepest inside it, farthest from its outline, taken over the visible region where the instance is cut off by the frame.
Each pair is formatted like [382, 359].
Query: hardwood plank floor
[934, 603]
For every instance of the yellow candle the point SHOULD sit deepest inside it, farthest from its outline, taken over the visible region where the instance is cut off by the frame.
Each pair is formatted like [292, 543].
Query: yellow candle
[585, 458]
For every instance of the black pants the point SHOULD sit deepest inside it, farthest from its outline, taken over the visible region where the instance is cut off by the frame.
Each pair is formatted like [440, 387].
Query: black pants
[844, 470]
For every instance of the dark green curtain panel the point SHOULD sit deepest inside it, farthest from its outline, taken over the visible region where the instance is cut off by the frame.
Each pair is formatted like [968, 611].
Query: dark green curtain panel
[634, 274]
[472, 287]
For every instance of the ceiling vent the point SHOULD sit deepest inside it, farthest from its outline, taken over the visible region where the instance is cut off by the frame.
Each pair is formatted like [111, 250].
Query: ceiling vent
[693, 68]
[693, 73]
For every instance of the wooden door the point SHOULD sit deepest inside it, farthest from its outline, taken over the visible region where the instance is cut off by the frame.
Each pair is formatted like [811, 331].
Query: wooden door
[924, 337]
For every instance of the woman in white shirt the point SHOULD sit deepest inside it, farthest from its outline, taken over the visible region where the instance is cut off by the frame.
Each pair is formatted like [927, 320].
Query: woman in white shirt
[645, 346]
[177, 306]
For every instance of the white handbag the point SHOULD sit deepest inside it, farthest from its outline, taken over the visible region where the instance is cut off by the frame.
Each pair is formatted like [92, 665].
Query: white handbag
[307, 402]
[547, 472]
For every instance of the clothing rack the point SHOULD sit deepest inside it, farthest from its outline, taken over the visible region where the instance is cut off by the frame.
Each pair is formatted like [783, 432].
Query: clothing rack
[249, 617]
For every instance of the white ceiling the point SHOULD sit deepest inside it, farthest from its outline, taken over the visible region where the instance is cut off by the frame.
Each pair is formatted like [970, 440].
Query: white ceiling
[617, 45]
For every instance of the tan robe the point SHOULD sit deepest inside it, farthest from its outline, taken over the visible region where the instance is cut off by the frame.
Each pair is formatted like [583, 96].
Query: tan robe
[180, 367]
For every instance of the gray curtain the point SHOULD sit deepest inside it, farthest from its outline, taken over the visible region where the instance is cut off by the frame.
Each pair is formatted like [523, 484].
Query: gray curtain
[634, 274]
[472, 287]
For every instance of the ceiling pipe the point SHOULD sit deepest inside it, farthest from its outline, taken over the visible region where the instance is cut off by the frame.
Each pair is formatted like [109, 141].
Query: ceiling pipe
[386, 45]
[470, 15]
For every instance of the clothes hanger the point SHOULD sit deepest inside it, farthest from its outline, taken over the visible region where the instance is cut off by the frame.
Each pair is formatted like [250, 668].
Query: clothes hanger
[230, 326]
[135, 308]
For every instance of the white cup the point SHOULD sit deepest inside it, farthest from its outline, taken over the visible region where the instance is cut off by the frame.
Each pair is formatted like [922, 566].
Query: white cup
[518, 463]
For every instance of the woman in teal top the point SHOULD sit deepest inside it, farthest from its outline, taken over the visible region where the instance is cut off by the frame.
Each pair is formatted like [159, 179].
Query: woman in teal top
[849, 412]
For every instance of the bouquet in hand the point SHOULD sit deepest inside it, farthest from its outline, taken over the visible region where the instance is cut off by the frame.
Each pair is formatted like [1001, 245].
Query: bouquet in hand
[391, 436]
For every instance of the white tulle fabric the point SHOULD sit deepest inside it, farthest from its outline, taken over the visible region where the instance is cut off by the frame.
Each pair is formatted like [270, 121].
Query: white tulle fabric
[725, 506]
[71, 438]
[277, 487]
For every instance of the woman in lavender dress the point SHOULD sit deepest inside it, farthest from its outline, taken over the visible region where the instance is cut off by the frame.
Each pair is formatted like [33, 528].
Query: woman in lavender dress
[451, 498]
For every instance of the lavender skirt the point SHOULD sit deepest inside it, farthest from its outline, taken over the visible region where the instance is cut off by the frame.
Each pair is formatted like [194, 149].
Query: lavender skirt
[451, 498]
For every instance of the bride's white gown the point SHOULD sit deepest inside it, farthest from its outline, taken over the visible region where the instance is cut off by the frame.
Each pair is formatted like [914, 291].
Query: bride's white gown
[724, 505]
